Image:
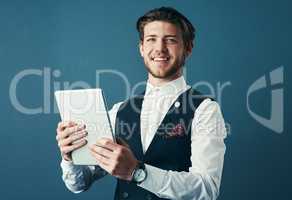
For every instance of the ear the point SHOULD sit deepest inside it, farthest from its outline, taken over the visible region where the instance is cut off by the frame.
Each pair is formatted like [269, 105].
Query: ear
[189, 49]
[141, 48]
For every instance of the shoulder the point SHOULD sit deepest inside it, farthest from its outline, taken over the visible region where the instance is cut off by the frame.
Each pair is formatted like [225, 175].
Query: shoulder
[208, 119]
[196, 98]
[208, 105]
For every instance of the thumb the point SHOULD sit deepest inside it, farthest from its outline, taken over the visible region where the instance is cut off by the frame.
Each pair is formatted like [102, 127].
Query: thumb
[120, 141]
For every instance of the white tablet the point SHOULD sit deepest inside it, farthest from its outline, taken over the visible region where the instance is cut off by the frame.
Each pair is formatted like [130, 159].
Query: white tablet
[85, 106]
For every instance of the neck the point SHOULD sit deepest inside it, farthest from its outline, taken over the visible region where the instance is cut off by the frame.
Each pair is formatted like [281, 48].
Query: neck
[161, 81]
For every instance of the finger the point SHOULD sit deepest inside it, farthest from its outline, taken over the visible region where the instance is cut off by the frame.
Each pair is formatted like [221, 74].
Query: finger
[79, 140]
[68, 149]
[63, 131]
[75, 128]
[73, 138]
[102, 151]
[107, 143]
[68, 131]
[100, 159]
[62, 125]
[104, 167]
[122, 142]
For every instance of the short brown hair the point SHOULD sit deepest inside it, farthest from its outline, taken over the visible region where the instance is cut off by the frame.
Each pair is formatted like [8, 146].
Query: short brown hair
[170, 15]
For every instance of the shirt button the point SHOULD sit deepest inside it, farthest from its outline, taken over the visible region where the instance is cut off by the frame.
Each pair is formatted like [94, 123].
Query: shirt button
[125, 195]
[177, 104]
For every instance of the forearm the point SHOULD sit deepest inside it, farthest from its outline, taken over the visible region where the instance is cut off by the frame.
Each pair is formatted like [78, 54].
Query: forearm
[180, 185]
[78, 178]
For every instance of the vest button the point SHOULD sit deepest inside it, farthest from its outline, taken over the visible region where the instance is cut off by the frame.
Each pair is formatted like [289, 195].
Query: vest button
[125, 195]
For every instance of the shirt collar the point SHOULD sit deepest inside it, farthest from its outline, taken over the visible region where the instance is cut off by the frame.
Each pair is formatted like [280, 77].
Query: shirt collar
[170, 88]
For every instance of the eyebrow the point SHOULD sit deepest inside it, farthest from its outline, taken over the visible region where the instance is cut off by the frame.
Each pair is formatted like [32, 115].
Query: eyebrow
[163, 36]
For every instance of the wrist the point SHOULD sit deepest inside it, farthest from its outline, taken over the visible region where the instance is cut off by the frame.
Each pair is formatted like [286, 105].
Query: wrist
[139, 173]
[66, 157]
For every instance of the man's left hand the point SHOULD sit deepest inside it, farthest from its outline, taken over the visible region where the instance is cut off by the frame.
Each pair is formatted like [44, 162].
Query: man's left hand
[117, 159]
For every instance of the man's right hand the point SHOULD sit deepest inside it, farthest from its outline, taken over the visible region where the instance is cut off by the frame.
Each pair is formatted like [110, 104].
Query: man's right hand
[70, 136]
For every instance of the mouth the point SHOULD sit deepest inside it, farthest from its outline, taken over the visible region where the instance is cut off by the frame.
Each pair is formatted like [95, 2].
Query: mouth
[160, 59]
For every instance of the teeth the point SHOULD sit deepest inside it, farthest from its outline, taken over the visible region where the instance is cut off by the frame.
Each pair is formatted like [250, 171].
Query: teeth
[160, 59]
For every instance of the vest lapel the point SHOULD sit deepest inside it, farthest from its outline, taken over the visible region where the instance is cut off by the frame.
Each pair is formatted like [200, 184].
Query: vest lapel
[182, 100]
[136, 141]
[128, 124]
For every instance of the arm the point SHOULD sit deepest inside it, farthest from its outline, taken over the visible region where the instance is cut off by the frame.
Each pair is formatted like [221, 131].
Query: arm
[204, 176]
[208, 148]
[78, 178]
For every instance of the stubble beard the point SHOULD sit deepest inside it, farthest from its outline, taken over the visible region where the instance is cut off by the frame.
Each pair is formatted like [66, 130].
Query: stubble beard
[171, 72]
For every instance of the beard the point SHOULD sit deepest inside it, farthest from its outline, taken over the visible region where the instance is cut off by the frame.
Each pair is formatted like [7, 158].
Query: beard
[170, 72]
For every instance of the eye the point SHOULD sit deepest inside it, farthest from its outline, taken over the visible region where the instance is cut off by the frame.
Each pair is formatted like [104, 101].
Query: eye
[150, 40]
[171, 40]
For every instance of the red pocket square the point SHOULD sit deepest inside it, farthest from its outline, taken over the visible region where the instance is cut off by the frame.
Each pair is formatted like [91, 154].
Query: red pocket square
[177, 131]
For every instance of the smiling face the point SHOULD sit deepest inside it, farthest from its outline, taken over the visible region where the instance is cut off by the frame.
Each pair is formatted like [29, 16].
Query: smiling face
[163, 50]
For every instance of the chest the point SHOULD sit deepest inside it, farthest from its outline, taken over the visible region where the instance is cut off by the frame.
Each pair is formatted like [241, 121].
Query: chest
[170, 147]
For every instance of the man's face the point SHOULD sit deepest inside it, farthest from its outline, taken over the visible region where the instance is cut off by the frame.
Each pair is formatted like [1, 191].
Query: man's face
[163, 49]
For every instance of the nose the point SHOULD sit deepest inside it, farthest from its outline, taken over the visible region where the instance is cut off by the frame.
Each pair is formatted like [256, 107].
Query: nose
[160, 46]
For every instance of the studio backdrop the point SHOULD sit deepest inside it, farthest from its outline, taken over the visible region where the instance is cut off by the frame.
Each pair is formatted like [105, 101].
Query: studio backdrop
[241, 58]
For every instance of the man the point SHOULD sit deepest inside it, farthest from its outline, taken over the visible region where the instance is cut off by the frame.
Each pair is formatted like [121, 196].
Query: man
[175, 149]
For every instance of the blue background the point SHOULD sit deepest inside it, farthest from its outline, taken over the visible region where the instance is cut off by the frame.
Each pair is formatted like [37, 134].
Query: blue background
[237, 42]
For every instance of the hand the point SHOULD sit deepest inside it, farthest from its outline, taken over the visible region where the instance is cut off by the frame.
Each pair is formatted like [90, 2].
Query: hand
[117, 159]
[70, 136]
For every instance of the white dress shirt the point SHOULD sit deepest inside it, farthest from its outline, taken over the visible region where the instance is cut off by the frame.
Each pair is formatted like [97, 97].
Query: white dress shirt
[207, 149]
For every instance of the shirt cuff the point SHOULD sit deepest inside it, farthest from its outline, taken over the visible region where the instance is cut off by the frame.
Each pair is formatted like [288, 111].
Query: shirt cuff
[68, 166]
[154, 180]
[66, 163]
[96, 171]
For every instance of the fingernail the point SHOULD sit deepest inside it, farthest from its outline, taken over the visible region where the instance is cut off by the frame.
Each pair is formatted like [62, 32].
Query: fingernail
[80, 127]
[83, 132]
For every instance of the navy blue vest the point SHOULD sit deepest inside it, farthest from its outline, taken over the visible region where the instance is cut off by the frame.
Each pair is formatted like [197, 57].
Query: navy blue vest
[170, 148]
